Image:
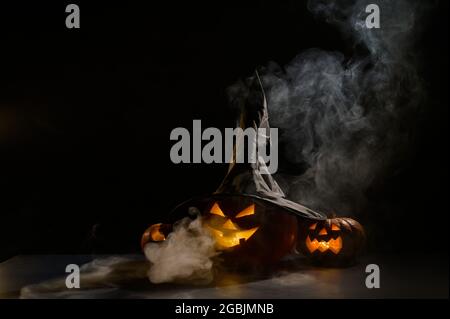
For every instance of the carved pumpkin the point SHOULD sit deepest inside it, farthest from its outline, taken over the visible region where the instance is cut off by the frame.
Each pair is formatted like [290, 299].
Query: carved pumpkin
[227, 233]
[250, 233]
[155, 233]
[246, 233]
[333, 242]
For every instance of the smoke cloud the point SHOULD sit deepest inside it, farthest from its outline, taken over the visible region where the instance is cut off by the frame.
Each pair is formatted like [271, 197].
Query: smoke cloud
[185, 256]
[349, 120]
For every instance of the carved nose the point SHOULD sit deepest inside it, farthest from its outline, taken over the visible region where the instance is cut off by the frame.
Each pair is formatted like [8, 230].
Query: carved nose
[229, 225]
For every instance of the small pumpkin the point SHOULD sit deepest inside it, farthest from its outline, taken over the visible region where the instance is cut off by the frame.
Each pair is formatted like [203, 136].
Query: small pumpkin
[155, 233]
[336, 241]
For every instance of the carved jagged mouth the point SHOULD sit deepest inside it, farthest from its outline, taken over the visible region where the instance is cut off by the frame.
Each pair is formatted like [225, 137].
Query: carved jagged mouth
[231, 238]
[334, 245]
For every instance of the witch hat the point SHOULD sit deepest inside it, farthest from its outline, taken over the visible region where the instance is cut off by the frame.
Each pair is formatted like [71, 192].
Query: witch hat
[252, 179]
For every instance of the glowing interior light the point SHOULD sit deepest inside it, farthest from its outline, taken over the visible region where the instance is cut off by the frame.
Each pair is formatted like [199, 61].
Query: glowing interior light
[250, 210]
[155, 233]
[227, 239]
[334, 245]
[216, 210]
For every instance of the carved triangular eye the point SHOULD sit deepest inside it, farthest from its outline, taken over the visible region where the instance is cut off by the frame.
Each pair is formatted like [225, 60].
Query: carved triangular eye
[313, 226]
[250, 210]
[216, 210]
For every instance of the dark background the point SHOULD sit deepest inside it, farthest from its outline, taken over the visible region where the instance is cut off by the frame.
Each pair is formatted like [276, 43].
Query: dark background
[85, 118]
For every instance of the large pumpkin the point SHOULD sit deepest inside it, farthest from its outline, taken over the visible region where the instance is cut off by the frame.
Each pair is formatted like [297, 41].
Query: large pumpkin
[250, 233]
[333, 242]
[247, 233]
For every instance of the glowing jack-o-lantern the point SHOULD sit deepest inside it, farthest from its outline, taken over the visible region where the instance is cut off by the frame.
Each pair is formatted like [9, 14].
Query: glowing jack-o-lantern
[249, 232]
[155, 233]
[332, 242]
[226, 232]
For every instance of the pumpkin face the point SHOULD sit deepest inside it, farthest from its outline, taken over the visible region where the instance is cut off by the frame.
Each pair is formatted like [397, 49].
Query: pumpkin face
[249, 233]
[333, 242]
[228, 230]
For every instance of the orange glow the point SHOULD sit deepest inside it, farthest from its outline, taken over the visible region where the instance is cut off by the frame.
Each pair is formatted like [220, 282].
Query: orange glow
[313, 226]
[323, 232]
[227, 239]
[216, 210]
[227, 234]
[229, 225]
[335, 245]
[155, 233]
[250, 210]
[335, 227]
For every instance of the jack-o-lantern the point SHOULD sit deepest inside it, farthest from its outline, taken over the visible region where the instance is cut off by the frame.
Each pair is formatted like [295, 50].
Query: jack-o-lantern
[226, 229]
[333, 242]
[247, 232]
[155, 233]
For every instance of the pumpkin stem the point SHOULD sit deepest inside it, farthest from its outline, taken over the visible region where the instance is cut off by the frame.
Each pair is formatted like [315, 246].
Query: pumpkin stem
[332, 215]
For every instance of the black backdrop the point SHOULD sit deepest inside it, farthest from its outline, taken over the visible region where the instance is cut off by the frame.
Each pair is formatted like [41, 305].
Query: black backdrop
[85, 117]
